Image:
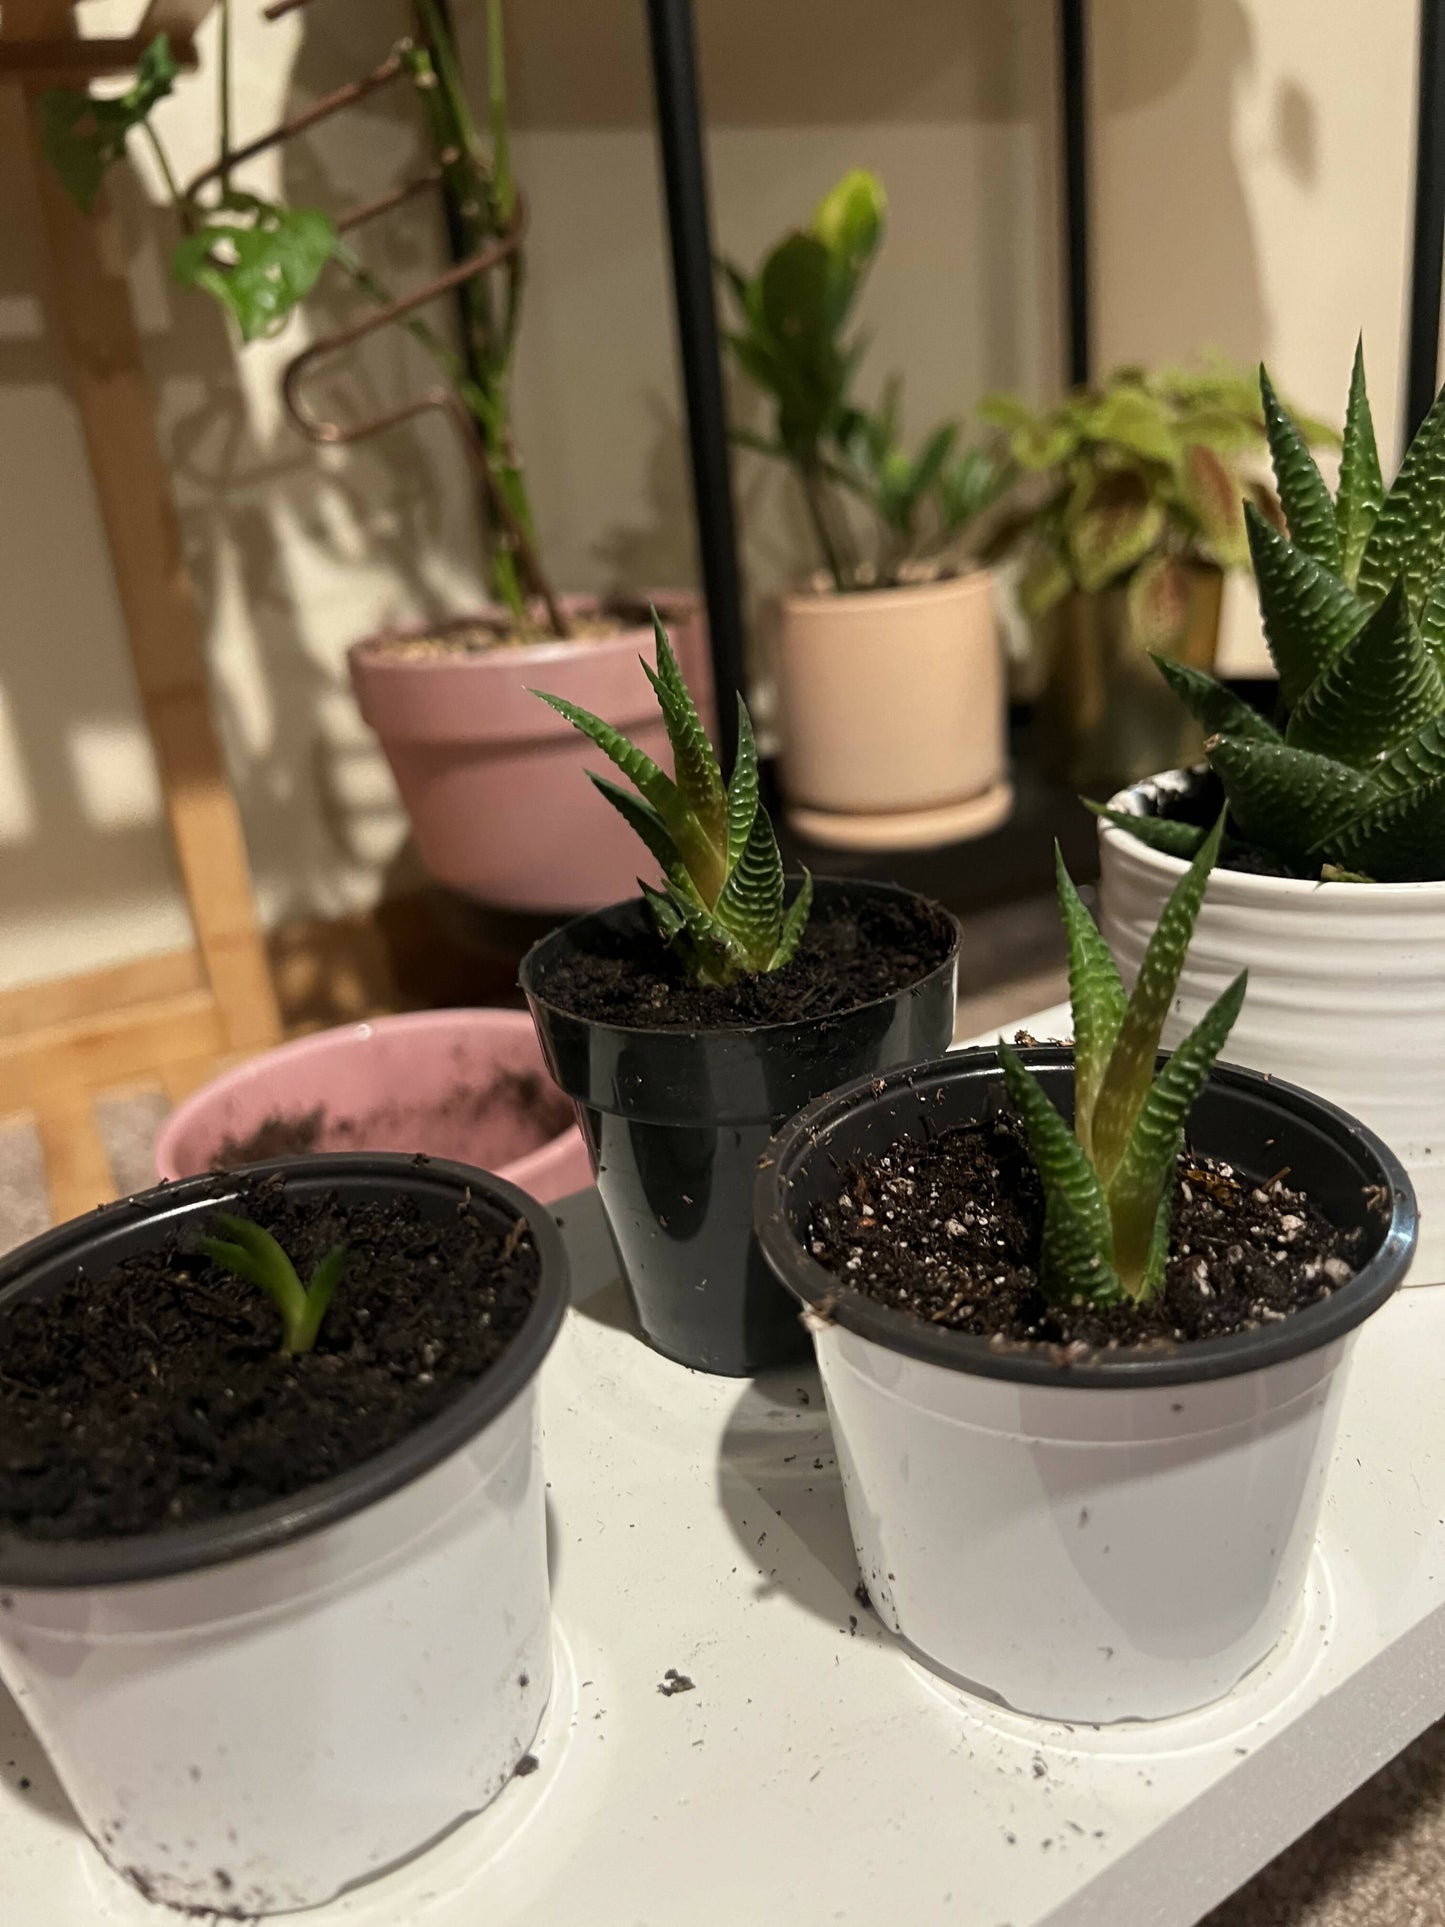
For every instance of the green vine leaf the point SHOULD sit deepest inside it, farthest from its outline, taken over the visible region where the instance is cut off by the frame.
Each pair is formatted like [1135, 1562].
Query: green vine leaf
[258, 272]
[83, 137]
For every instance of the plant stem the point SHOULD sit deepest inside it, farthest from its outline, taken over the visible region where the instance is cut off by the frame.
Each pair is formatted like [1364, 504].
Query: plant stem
[225, 92]
[502, 183]
[173, 187]
[813, 496]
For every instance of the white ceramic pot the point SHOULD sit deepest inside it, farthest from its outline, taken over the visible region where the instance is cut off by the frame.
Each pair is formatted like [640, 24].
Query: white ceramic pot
[250, 1714]
[1346, 990]
[892, 708]
[1120, 1537]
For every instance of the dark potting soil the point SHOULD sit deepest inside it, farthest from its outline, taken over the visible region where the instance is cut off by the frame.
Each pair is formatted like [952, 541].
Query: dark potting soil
[157, 1395]
[854, 951]
[949, 1232]
[516, 1113]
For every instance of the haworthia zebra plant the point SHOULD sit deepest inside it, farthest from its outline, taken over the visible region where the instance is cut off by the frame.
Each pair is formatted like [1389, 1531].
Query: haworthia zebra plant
[1109, 1183]
[721, 905]
[1353, 784]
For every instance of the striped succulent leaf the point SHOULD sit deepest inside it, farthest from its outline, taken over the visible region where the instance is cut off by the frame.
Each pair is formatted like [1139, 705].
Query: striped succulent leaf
[1109, 1183]
[721, 905]
[1356, 625]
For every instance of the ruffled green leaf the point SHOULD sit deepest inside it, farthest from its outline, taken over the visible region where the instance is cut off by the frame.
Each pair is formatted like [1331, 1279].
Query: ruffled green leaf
[1379, 691]
[1284, 799]
[1309, 614]
[794, 923]
[1077, 1255]
[1161, 833]
[1145, 1176]
[1362, 488]
[1217, 709]
[750, 908]
[1096, 993]
[1399, 840]
[1130, 1070]
[1406, 540]
[1302, 491]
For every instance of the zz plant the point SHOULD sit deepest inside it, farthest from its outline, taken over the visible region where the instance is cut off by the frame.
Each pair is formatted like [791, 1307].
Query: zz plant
[1349, 782]
[721, 906]
[1109, 1183]
[254, 1254]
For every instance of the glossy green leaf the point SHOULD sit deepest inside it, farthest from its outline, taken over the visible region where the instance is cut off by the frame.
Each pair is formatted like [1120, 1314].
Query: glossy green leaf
[695, 768]
[1309, 614]
[1097, 996]
[83, 136]
[1161, 833]
[1215, 708]
[742, 787]
[1380, 690]
[1405, 543]
[849, 218]
[1362, 489]
[1285, 799]
[750, 908]
[259, 272]
[639, 769]
[1302, 492]
[1076, 1259]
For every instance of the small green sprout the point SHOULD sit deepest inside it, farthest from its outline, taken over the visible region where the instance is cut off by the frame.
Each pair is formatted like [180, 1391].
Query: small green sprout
[721, 906]
[252, 1253]
[1109, 1184]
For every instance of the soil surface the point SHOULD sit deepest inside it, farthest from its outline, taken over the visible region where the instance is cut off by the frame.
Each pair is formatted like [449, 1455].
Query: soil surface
[473, 638]
[855, 950]
[949, 1232]
[157, 1395]
[516, 1114]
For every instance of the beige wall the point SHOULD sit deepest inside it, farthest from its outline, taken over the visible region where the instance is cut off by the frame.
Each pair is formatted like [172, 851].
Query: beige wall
[1252, 192]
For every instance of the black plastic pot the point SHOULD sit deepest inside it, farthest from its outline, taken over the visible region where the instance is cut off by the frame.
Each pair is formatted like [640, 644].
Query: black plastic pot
[1257, 1123]
[676, 1121]
[101, 1239]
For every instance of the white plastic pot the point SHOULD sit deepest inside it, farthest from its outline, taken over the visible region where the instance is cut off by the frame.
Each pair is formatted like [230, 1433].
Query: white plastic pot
[1346, 990]
[253, 1713]
[1122, 1537]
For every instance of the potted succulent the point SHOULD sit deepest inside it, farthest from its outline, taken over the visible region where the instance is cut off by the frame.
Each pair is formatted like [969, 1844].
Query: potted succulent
[689, 1021]
[1136, 516]
[273, 1565]
[889, 669]
[469, 749]
[1084, 1381]
[1332, 884]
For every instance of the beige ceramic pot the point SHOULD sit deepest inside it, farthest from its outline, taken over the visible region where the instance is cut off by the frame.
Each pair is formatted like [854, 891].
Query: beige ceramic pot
[891, 703]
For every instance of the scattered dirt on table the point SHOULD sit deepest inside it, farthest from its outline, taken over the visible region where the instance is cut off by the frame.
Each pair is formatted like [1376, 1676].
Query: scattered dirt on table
[949, 1232]
[855, 950]
[672, 1682]
[156, 1394]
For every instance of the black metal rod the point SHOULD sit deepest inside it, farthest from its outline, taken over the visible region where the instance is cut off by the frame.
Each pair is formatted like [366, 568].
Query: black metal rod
[1423, 363]
[1074, 75]
[684, 173]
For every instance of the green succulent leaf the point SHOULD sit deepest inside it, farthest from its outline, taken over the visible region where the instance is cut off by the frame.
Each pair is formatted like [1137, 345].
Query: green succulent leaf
[258, 272]
[1077, 1255]
[1420, 759]
[645, 823]
[1096, 993]
[794, 924]
[1380, 690]
[255, 1255]
[83, 137]
[1216, 709]
[1145, 1174]
[639, 769]
[750, 908]
[742, 788]
[1406, 540]
[1163, 833]
[1130, 1070]
[1398, 840]
[1302, 491]
[1285, 799]
[1362, 489]
[1309, 614]
[695, 767]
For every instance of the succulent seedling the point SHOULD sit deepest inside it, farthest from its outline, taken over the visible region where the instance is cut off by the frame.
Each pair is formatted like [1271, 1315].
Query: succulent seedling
[1109, 1183]
[1351, 783]
[252, 1253]
[721, 905]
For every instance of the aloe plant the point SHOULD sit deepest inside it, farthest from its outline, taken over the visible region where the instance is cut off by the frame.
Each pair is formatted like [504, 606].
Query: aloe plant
[254, 1254]
[1109, 1183]
[722, 902]
[793, 343]
[1350, 782]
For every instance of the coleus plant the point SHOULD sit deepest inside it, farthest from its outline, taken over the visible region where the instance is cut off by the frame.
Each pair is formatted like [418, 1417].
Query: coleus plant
[256, 1255]
[1109, 1183]
[721, 906]
[1349, 782]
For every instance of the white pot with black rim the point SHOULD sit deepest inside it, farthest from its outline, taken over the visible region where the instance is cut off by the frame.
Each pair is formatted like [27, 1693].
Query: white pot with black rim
[1346, 990]
[1119, 1535]
[254, 1709]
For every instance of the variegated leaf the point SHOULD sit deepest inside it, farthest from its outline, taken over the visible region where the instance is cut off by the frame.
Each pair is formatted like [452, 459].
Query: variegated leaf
[1096, 994]
[1409, 531]
[1309, 614]
[1077, 1257]
[750, 908]
[1400, 840]
[1362, 489]
[1302, 491]
[794, 924]
[695, 768]
[1283, 799]
[1379, 691]
[1157, 832]
[1146, 1170]
[1131, 1063]
[1217, 709]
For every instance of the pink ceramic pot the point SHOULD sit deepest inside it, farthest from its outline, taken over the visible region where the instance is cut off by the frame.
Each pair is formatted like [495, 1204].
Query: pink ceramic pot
[493, 779]
[469, 1085]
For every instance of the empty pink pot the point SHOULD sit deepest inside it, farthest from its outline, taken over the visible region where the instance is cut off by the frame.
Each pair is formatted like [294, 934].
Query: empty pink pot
[469, 1085]
[494, 781]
